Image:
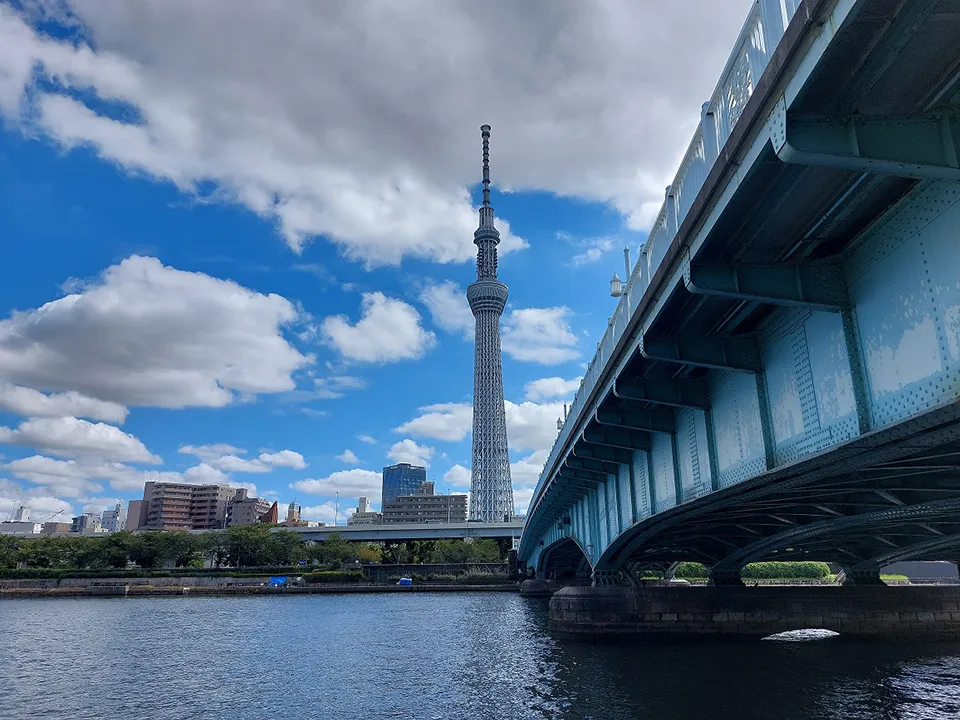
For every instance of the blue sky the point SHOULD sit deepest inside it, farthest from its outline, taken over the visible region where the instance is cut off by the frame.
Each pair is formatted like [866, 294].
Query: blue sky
[247, 265]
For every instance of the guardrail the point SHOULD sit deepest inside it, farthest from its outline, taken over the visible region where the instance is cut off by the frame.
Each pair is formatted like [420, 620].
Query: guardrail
[762, 30]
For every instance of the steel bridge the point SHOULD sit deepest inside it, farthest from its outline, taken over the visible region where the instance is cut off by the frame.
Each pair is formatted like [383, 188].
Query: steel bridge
[780, 378]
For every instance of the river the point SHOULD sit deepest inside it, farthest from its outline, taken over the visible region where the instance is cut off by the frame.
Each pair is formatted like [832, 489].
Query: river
[430, 656]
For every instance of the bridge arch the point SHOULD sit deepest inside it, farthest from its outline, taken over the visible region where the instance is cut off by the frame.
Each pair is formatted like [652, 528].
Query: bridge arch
[563, 560]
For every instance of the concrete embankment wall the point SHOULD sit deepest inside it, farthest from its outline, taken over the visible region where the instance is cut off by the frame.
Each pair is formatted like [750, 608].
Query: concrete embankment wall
[85, 587]
[758, 611]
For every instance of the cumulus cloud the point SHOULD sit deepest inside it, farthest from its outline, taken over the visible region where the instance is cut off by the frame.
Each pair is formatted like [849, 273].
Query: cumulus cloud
[227, 458]
[407, 451]
[457, 476]
[348, 457]
[539, 335]
[388, 330]
[43, 506]
[147, 334]
[375, 147]
[204, 474]
[349, 483]
[30, 402]
[72, 437]
[442, 421]
[328, 513]
[530, 426]
[590, 249]
[367, 439]
[549, 388]
[448, 306]
[526, 471]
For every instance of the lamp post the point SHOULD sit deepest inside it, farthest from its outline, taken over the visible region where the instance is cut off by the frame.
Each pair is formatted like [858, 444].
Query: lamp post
[618, 287]
[336, 510]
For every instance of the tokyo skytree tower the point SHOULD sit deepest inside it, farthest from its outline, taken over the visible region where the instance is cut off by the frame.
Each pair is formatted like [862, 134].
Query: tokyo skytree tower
[491, 491]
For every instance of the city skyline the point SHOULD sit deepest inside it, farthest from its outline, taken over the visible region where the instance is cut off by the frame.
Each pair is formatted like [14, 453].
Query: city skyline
[205, 287]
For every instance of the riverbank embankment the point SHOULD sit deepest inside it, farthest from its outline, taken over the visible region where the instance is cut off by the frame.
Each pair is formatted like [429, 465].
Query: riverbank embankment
[107, 587]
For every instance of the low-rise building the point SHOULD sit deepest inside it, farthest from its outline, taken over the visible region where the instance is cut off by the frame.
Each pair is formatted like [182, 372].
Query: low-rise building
[364, 515]
[425, 507]
[86, 523]
[56, 528]
[20, 527]
[114, 519]
[246, 510]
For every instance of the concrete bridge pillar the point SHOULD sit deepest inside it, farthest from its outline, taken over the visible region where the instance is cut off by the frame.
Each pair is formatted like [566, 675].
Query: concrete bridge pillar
[868, 611]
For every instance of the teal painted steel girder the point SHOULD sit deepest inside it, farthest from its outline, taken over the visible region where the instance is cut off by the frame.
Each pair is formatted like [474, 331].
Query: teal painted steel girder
[922, 146]
[659, 420]
[585, 476]
[818, 286]
[908, 552]
[617, 438]
[686, 392]
[878, 520]
[593, 451]
[595, 465]
[722, 352]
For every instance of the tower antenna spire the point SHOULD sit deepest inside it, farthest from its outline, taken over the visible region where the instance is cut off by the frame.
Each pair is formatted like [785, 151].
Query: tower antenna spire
[485, 134]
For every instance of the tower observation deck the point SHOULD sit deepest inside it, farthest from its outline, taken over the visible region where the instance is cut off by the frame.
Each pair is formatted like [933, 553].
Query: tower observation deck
[491, 490]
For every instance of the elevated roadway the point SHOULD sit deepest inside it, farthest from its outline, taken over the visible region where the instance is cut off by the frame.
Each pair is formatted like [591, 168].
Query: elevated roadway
[780, 378]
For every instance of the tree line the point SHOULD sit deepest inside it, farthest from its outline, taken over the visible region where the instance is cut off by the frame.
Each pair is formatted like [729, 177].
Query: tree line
[236, 547]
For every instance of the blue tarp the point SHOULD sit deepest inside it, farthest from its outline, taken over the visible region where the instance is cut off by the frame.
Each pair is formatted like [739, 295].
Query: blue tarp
[278, 581]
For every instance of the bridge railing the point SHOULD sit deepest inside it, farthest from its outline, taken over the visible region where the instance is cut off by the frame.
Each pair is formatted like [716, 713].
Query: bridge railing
[762, 30]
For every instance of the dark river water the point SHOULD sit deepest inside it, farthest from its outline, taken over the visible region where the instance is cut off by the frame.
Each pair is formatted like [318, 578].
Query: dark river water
[432, 656]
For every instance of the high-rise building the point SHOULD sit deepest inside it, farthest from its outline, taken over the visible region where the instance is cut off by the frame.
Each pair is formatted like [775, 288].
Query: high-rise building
[402, 479]
[179, 506]
[491, 490]
[114, 519]
[425, 507]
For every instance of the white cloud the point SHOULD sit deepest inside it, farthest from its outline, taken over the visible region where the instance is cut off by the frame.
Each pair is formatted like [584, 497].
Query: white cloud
[147, 334]
[336, 386]
[30, 402]
[78, 478]
[521, 500]
[72, 437]
[549, 388]
[388, 330]
[530, 426]
[443, 421]
[348, 457]
[375, 147]
[407, 451]
[591, 249]
[457, 476]
[526, 471]
[349, 483]
[204, 474]
[210, 452]
[214, 457]
[327, 513]
[448, 306]
[367, 439]
[99, 504]
[42, 505]
[539, 335]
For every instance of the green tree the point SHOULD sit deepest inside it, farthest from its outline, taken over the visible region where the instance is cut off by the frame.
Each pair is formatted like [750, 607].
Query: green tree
[9, 551]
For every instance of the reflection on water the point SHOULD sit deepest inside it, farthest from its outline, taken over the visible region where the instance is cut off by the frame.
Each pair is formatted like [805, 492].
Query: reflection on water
[443, 656]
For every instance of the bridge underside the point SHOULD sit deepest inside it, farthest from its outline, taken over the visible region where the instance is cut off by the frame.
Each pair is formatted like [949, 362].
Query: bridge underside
[787, 386]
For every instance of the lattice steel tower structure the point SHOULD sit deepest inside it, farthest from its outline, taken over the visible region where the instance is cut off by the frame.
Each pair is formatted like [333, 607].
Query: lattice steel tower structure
[491, 491]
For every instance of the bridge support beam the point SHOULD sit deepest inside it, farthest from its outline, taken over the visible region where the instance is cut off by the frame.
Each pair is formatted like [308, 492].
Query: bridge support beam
[660, 420]
[688, 392]
[721, 352]
[907, 612]
[818, 286]
[922, 146]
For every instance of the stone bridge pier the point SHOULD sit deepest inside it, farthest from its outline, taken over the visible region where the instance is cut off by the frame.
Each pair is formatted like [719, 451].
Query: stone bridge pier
[756, 612]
